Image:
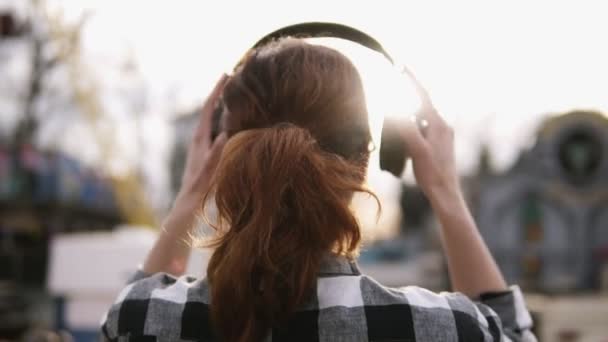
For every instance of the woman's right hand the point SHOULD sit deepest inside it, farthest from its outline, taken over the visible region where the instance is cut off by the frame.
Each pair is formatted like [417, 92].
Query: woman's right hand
[431, 150]
[472, 269]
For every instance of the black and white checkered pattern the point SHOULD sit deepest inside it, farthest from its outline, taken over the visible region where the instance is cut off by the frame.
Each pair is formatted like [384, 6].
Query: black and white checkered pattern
[348, 306]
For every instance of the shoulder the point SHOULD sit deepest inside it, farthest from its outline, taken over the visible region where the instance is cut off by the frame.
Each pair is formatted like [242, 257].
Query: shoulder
[422, 313]
[359, 303]
[159, 305]
[448, 315]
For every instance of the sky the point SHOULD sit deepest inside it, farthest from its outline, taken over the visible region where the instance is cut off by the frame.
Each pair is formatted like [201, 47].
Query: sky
[494, 69]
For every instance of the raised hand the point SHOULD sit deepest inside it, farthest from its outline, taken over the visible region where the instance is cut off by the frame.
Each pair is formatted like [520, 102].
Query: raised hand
[203, 152]
[472, 269]
[430, 142]
[171, 251]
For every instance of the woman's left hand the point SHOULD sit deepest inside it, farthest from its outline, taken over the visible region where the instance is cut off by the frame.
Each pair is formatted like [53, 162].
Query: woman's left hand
[203, 152]
[170, 253]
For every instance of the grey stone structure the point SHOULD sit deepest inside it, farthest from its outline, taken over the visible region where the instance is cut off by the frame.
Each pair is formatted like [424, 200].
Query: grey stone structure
[546, 219]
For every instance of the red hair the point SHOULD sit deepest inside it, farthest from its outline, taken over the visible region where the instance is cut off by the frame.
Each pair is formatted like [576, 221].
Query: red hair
[297, 152]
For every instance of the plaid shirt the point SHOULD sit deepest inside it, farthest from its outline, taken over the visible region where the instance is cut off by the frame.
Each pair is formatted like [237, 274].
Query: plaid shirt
[348, 306]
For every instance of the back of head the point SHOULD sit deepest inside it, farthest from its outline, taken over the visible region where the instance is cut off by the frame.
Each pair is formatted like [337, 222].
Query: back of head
[311, 86]
[298, 150]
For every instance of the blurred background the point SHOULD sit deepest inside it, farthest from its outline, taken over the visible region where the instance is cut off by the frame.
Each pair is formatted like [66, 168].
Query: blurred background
[99, 98]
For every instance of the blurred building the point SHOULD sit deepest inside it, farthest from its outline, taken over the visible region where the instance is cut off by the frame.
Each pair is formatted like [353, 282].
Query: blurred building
[42, 194]
[545, 219]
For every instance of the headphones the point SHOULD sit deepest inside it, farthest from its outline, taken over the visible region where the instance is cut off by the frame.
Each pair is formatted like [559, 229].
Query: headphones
[393, 154]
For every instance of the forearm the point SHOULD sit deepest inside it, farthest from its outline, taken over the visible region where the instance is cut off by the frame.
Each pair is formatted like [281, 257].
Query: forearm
[171, 250]
[471, 267]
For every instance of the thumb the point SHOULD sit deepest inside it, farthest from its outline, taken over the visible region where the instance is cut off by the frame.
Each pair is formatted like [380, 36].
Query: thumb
[415, 143]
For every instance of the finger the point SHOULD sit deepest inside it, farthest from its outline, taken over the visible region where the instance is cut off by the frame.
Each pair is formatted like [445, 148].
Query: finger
[215, 94]
[203, 131]
[425, 98]
[427, 109]
[216, 150]
[415, 143]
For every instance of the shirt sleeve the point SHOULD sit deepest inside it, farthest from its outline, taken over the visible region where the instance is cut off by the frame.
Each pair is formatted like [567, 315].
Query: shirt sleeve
[127, 315]
[509, 308]
[500, 316]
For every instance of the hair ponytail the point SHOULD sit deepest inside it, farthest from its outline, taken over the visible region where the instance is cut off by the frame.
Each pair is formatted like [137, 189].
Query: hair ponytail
[283, 202]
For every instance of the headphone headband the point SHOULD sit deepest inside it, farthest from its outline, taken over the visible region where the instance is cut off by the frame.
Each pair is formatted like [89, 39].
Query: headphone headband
[326, 30]
[392, 149]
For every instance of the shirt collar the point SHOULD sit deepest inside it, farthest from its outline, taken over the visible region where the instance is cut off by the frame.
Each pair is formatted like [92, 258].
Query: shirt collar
[334, 265]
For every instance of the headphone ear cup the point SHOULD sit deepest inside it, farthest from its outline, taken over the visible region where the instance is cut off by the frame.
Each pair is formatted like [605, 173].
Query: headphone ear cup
[216, 120]
[393, 154]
